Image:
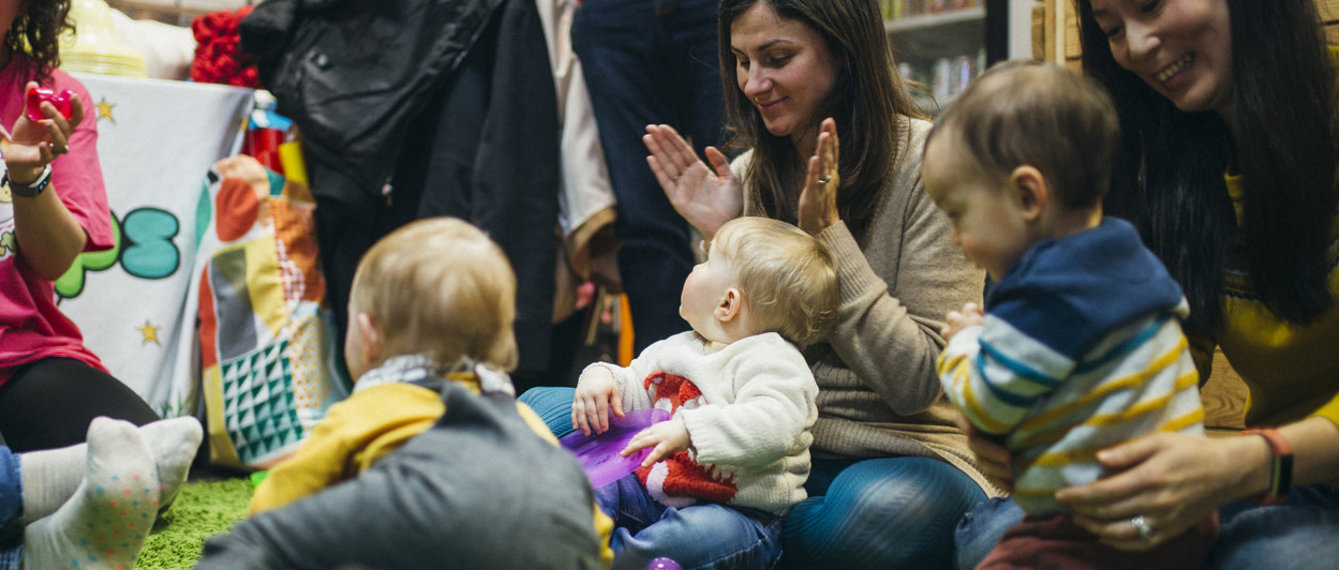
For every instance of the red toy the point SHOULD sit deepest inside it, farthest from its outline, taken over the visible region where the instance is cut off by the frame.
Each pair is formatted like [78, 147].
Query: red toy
[37, 95]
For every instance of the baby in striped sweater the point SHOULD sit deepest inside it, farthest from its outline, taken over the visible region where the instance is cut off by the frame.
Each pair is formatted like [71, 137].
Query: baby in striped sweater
[1080, 345]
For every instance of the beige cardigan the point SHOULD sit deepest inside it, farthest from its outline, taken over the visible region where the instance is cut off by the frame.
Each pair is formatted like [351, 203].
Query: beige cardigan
[879, 395]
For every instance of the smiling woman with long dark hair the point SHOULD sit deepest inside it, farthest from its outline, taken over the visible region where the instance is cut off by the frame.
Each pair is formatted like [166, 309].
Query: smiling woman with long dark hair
[1228, 168]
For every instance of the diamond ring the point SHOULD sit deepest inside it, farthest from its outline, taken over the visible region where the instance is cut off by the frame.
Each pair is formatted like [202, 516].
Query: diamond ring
[1140, 525]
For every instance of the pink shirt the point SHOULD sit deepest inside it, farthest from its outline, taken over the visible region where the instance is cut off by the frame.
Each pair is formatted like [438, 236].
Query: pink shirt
[31, 326]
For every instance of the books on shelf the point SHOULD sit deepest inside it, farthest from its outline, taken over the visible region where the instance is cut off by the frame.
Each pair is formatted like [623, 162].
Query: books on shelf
[897, 9]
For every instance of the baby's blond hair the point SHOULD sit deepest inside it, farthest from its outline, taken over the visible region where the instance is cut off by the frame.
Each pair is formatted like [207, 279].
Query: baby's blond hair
[787, 277]
[439, 287]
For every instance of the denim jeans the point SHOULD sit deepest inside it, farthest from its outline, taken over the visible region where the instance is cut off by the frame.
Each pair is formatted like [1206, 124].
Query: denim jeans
[650, 62]
[11, 510]
[892, 512]
[699, 536]
[554, 406]
[1301, 533]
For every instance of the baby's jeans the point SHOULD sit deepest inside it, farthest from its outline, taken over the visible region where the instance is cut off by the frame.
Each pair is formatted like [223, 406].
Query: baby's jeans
[706, 535]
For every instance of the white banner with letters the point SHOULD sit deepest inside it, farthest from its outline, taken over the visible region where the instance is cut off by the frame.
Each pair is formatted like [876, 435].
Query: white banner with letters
[156, 141]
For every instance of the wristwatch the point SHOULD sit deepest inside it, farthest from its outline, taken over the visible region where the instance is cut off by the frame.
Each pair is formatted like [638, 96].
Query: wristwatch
[31, 189]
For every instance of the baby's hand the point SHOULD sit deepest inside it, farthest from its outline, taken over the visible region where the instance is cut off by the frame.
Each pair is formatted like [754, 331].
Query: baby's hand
[597, 392]
[668, 437]
[969, 316]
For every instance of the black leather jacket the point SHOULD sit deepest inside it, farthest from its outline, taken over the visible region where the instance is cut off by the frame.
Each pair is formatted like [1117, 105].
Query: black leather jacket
[449, 104]
[354, 74]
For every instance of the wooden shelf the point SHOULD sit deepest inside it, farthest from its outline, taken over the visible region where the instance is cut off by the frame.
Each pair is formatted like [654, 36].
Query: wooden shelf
[1329, 10]
[922, 42]
[937, 19]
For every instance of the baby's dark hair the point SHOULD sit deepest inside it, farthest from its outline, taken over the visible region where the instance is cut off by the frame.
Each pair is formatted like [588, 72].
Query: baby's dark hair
[1043, 115]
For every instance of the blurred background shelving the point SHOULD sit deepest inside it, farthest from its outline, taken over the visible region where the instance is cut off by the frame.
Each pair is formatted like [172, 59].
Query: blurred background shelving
[175, 12]
[941, 45]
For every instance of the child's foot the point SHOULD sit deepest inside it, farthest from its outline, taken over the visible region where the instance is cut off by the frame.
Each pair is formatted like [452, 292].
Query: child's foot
[50, 477]
[173, 443]
[104, 524]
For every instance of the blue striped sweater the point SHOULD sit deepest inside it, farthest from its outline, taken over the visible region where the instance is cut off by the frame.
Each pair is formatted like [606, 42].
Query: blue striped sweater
[1081, 348]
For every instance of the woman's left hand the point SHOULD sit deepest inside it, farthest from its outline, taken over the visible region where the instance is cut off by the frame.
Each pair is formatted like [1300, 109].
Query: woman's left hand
[1174, 481]
[818, 200]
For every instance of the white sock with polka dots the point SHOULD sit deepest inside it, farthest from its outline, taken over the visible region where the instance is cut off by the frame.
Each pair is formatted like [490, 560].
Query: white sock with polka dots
[173, 443]
[104, 524]
[51, 476]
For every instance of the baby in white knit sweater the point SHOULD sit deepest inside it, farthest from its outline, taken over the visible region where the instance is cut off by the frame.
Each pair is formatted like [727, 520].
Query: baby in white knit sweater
[735, 454]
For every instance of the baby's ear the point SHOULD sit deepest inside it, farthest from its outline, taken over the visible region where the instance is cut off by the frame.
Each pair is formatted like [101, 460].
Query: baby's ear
[369, 332]
[1031, 189]
[732, 302]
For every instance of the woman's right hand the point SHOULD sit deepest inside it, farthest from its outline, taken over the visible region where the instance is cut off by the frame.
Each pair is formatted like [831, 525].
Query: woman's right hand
[705, 196]
[991, 456]
[35, 144]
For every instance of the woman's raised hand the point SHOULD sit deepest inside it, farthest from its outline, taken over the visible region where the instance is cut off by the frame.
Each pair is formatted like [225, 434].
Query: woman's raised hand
[818, 200]
[36, 143]
[705, 196]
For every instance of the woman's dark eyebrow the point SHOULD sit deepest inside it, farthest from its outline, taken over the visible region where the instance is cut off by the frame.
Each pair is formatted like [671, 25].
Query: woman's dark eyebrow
[762, 47]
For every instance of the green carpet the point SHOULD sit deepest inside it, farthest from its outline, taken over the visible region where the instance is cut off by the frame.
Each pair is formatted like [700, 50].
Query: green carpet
[201, 510]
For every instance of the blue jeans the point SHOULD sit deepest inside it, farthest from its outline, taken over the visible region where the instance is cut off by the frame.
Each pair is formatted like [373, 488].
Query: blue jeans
[650, 62]
[1297, 534]
[892, 512]
[700, 536]
[11, 510]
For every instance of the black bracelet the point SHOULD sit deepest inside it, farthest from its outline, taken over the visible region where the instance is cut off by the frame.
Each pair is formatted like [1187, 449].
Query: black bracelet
[31, 189]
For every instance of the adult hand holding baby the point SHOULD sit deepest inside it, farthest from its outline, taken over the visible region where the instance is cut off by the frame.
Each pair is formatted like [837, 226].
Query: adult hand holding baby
[991, 456]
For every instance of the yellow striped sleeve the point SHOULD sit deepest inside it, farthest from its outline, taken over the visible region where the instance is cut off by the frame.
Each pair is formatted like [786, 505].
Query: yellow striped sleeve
[1105, 390]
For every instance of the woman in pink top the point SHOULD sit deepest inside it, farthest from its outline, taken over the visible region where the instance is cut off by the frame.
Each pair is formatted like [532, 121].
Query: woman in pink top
[52, 208]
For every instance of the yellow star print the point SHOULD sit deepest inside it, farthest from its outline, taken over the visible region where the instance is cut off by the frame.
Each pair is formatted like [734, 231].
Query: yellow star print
[105, 110]
[150, 333]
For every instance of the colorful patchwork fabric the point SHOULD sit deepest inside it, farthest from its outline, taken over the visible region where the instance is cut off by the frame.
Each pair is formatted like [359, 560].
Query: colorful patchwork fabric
[267, 351]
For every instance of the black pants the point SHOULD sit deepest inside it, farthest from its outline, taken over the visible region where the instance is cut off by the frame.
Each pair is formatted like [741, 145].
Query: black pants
[49, 403]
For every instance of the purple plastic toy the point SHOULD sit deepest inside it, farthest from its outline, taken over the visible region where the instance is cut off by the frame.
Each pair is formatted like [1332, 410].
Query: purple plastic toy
[37, 95]
[598, 453]
[663, 563]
